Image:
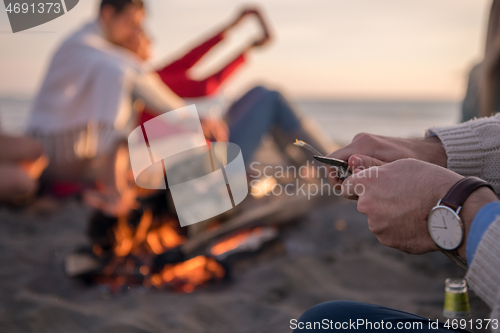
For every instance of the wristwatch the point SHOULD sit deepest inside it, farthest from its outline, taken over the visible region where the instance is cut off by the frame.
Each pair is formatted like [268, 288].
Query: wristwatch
[445, 225]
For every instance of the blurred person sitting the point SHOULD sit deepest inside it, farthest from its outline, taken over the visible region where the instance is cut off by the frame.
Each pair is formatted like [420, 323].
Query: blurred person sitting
[21, 164]
[482, 98]
[83, 112]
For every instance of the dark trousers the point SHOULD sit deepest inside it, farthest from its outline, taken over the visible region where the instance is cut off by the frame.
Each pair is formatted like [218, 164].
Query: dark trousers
[261, 111]
[362, 317]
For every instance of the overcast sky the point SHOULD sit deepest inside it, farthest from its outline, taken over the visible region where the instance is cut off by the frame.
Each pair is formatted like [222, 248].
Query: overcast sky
[416, 49]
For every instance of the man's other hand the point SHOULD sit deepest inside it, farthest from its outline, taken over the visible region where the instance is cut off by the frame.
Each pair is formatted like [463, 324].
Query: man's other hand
[397, 198]
[389, 149]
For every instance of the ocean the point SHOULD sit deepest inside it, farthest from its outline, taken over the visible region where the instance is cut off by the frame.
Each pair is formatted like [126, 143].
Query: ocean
[340, 119]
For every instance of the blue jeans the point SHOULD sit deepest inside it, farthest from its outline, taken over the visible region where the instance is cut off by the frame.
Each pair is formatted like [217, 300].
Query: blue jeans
[258, 112]
[343, 315]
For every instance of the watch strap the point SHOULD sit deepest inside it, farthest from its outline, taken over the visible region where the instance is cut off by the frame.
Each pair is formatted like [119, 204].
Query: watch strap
[459, 192]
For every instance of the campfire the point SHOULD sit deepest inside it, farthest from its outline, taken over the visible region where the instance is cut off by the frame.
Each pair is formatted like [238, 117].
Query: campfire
[145, 248]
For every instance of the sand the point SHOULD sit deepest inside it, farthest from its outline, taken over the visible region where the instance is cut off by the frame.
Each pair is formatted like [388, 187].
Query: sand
[319, 263]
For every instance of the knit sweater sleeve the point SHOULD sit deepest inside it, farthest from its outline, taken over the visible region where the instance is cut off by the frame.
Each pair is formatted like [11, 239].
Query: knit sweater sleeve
[484, 272]
[473, 148]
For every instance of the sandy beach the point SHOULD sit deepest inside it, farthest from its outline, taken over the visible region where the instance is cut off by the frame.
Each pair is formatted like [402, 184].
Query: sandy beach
[317, 263]
[117, 214]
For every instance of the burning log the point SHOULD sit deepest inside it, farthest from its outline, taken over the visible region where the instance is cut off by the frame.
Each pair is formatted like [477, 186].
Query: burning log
[148, 247]
[274, 213]
[126, 251]
[188, 275]
[243, 241]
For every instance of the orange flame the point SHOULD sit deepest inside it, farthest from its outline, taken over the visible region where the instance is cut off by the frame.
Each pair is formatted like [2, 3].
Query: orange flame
[189, 274]
[158, 240]
[123, 238]
[149, 239]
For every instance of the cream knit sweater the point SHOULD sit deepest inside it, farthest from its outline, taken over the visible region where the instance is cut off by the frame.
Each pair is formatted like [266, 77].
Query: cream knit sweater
[473, 149]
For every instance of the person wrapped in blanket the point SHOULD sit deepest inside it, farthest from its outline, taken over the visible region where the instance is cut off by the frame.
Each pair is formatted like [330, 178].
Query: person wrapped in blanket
[84, 110]
[21, 164]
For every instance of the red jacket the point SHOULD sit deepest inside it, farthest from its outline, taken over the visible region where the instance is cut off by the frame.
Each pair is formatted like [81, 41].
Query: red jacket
[175, 75]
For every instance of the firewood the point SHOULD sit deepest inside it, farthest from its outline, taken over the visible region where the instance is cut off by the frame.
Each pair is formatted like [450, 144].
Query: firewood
[273, 213]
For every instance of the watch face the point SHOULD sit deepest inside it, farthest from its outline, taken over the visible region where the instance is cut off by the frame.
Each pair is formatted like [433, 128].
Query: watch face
[445, 227]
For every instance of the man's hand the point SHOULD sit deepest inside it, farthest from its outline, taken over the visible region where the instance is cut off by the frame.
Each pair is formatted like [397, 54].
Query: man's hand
[140, 44]
[389, 149]
[397, 198]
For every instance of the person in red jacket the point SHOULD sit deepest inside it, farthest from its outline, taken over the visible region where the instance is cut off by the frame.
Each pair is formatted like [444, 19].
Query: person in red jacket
[258, 112]
[175, 75]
